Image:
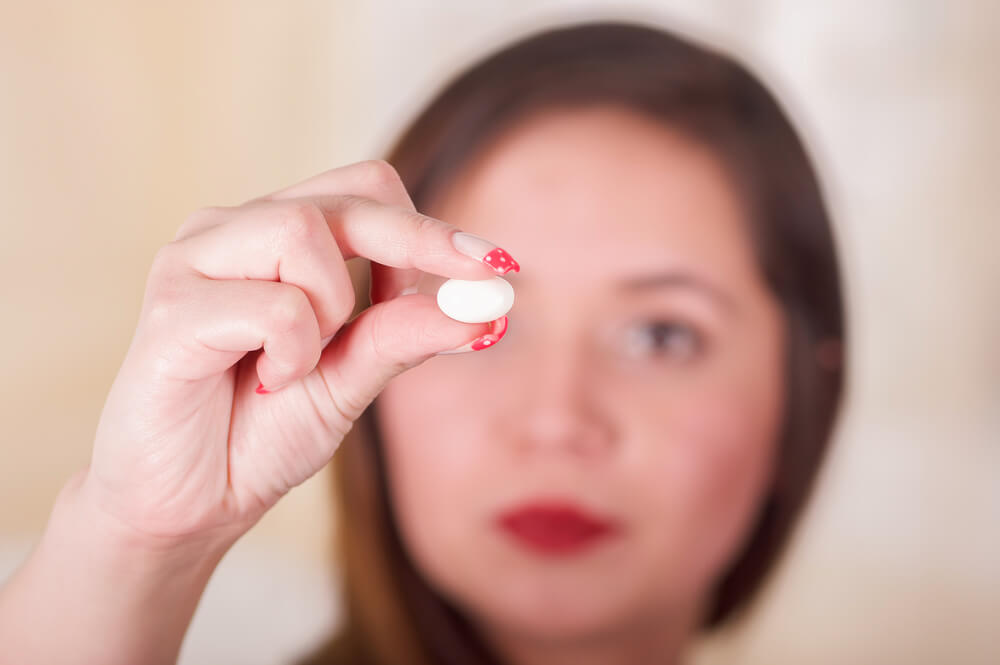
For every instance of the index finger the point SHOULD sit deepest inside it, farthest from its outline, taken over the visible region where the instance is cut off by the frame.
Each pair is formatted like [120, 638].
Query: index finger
[374, 179]
[378, 181]
[403, 238]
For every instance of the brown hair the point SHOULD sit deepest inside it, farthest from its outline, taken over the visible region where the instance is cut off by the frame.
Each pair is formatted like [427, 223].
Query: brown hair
[393, 615]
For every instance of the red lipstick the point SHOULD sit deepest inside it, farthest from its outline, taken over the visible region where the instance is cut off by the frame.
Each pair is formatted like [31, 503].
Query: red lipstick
[554, 528]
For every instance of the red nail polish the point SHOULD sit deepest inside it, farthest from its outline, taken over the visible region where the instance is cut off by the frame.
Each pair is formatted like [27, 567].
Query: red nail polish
[501, 261]
[495, 335]
[500, 327]
[261, 390]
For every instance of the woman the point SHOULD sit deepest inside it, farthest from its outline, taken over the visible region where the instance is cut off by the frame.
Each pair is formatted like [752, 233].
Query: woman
[598, 482]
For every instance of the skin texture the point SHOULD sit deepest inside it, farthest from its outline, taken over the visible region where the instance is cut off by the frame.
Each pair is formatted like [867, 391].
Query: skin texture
[188, 452]
[640, 379]
[666, 429]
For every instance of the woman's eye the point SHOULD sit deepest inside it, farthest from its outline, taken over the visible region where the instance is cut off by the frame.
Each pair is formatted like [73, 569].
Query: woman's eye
[663, 338]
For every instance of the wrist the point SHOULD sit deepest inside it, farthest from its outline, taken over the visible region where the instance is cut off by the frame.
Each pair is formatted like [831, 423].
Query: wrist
[80, 517]
[116, 595]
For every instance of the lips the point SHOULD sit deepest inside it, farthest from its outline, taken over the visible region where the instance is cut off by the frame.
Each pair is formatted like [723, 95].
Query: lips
[555, 528]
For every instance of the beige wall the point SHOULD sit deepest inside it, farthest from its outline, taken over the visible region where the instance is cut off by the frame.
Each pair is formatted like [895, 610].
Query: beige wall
[119, 118]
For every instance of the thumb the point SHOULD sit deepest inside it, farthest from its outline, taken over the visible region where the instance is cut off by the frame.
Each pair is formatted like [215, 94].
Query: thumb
[385, 340]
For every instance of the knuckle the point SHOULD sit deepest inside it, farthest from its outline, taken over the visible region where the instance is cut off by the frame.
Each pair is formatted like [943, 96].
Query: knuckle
[382, 177]
[165, 273]
[348, 403]
[353, 203]
[380, 172]
[343, 308]
[384, 341]
[426, 232]
[290, 310]
[420, 225]
[165, 260]
[301, 221]
[164, 297]
[159, 313]
[198, 221]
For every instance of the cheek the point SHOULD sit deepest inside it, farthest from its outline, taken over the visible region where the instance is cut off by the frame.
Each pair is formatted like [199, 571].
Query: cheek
[711, 466]
[425, 417]
[724, 474]
[432, 420]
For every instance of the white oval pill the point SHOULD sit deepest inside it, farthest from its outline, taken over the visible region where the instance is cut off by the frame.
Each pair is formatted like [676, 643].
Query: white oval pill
[475, 301]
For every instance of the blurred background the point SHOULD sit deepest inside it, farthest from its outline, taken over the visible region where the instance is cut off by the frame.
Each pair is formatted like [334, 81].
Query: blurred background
[117, 119]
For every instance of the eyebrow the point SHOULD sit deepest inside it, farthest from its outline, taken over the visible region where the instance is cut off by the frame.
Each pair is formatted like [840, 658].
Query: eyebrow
[678, 279]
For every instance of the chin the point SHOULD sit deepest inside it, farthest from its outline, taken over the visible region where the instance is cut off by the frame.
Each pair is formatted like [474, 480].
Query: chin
[553, 609]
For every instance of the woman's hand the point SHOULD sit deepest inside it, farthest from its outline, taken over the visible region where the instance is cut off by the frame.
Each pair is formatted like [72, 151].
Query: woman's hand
[188, 454]
[187, 447]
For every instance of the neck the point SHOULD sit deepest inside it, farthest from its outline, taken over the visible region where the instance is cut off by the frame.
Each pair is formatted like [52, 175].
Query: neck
[653, 642]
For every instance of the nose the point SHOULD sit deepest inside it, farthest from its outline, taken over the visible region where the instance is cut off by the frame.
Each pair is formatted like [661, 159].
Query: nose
[561, 409]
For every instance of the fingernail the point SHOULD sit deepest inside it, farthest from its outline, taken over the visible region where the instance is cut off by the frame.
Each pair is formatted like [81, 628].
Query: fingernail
[485, 251]
[261, 390]
[496, 333]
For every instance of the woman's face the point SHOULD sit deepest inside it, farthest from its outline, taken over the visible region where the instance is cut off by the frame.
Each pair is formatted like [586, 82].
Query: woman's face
[599, 467]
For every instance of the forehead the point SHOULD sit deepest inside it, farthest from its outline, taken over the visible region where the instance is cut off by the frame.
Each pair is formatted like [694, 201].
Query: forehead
[605, 189]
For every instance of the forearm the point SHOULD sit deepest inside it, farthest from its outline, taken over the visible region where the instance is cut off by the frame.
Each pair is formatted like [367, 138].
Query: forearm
[92, 593]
